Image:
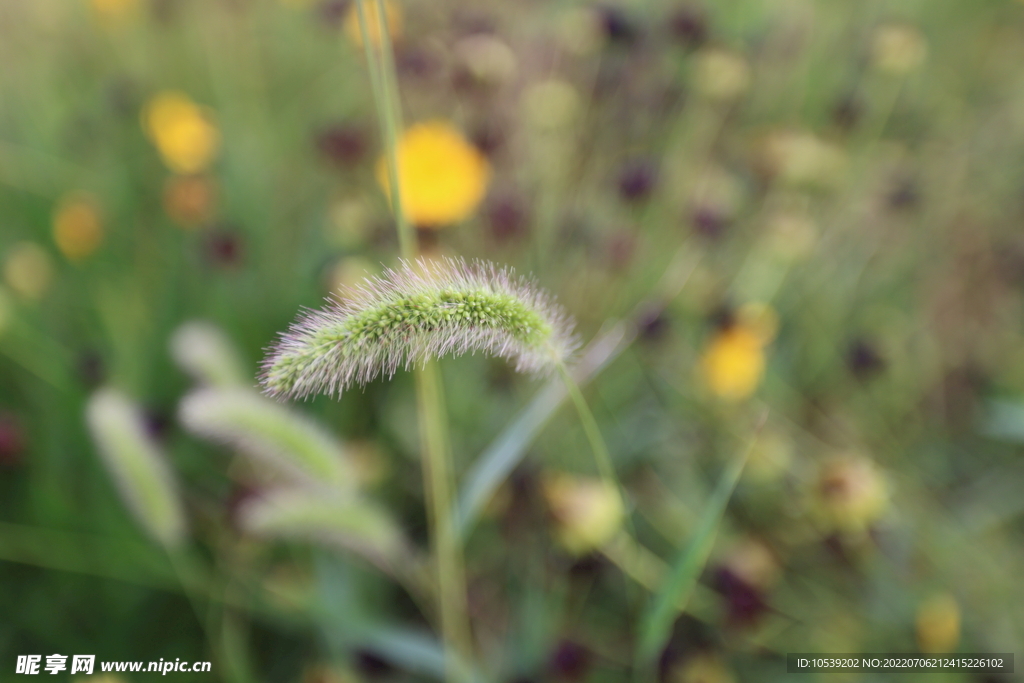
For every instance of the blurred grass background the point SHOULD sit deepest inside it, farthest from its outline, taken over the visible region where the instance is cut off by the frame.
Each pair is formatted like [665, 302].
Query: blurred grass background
[806, 208]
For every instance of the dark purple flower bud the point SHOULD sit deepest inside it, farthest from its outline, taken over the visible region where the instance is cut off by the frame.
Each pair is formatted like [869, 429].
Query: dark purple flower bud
[570, 661]
[723, 317]
[904, 196]
[90, 369]
[744, 603]
[508, 218]
[223, 246]
[489, 139]
[652, 323]
[345, 145]
[12, 440]
[371, 665]
[331, 12]
[636, 180]
[688, 26]
[863, 359]
[847, 113]
[621, 247]
[417, 62]
[709, 223]
[618, 27]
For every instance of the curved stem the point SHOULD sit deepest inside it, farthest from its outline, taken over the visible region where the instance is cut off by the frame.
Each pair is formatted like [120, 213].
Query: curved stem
[590, 428]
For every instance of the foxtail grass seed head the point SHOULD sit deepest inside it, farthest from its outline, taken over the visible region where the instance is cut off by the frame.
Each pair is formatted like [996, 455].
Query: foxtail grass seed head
[301, 514]
[268, 432]
[204, 352]
[136, 464]
[421, 310]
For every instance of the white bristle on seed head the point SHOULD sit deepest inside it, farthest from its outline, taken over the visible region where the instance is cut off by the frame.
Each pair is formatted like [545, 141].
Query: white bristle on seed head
[137, 466]
[268, 432]
[418, 311]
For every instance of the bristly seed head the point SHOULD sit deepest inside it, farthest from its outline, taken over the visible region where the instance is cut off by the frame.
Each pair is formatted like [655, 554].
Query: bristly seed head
[416, 312]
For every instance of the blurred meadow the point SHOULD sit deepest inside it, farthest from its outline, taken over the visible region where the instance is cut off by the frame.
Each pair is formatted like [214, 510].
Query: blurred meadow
[789, 233]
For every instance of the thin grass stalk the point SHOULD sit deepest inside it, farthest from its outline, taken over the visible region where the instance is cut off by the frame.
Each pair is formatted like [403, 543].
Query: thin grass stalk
[439, 486]
[593, 433]
[430, 410]
[383, 81]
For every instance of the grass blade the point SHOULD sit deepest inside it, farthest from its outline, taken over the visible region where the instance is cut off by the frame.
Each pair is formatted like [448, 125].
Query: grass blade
[508, 449]
[682, 578]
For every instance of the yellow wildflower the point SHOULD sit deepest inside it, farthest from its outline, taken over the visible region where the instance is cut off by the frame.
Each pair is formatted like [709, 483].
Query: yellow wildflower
[327, 674]
[442, 176]
[392, 14]
[351, 224]
[551, 105]
[801, 158]
[348, 272]
[721, 75]
[77, 226]
[734, 362]
[850, 494]
[183, 132]
[28, 270]
[938, 624]
[898, 49]
[114, 9]
[588, 512]
[190, 200]
[704, 667]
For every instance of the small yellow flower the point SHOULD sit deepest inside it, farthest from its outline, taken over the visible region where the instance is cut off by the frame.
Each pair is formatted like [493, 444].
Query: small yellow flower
[77, 226]
[348, 272]
[753, 562]
[351, 223]
[721, 75]
[327, 674]
[734, 362]
[588, 512]
[849, 495]
[392, 13]
[114, 9]
[486, 59]
[28, 270]
[551, 105]
[442, 177]
[701, 668]
[898, 49]
[190, 200]
[184, 133]
[801, 158]
[938, 624]
[791, 235]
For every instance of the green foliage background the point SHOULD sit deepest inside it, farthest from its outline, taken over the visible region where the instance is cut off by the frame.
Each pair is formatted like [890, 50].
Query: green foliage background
[899, 330]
